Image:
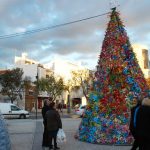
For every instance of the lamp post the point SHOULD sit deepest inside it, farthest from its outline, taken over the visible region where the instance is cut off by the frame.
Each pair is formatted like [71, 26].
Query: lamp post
[37, 92]
[68, 104]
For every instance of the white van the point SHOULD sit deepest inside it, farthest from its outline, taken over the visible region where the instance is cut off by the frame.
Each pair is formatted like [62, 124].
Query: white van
[10, 110]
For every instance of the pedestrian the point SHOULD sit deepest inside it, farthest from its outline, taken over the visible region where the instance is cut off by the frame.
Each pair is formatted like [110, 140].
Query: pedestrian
[60, 107]
[5, 143]
[132, 126]
[143, 125]
[53, 125]
[45, 142]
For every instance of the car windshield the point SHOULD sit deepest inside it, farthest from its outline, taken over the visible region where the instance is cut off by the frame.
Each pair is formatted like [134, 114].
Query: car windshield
[83, 107]
[77, 106]
[14, 108]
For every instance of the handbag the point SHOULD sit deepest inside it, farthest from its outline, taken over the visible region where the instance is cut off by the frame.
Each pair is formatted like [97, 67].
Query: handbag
[61, 136]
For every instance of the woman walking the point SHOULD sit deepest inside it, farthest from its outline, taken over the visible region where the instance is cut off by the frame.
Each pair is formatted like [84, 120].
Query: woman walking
[45, 142]
[53, 125]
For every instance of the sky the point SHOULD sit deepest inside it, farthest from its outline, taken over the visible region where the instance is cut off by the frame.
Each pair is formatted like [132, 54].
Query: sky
[79, 42]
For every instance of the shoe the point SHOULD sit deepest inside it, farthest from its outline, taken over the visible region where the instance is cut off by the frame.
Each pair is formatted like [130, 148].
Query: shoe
[51, 147]
[55, 148]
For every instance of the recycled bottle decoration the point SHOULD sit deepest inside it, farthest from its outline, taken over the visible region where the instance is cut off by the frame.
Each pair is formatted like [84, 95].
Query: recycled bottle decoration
[119, 80]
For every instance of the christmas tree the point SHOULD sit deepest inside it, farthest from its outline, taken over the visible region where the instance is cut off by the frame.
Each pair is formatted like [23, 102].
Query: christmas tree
[119, 83]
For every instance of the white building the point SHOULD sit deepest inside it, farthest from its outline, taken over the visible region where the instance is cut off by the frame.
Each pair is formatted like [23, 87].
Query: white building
[31, 68]
[64, 68]
[59, 67]
[143, 59]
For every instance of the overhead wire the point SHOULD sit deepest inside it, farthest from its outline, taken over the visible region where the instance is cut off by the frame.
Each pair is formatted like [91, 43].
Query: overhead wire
[48, 27]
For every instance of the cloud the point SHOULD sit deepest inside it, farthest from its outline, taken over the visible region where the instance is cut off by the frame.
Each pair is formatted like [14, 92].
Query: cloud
[80, 41]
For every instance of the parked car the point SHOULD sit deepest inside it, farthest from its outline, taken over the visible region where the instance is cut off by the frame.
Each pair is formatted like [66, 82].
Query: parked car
[80, 110]
[77, 106]
[10, 110]
[5, 143]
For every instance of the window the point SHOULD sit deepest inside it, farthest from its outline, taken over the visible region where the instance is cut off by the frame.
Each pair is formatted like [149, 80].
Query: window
[83, 107]
[14, 108]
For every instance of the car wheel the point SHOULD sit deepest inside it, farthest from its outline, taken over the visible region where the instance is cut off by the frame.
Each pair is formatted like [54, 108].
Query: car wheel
[22, 116]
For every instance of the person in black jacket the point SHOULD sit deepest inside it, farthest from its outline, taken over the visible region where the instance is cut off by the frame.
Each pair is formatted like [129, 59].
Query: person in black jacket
[45, 142]
[143, 125]
[132, 127]
[53, 125]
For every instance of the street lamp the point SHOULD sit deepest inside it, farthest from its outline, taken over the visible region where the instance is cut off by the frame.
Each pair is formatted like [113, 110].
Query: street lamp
[37, 92]
[68, 104]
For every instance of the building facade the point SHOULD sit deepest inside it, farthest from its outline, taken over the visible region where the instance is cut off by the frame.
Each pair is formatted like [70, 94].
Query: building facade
[33, 70]
[64, 69]
[142, 56]
[59, 68]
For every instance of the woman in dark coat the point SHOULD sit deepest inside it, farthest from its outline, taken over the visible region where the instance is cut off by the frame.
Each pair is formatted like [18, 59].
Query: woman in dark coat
[132, 127]
[143, 125]
[53, 125]
[45, 142]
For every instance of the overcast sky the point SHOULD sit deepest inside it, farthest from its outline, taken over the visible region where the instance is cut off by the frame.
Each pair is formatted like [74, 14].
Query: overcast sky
[77, 42]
